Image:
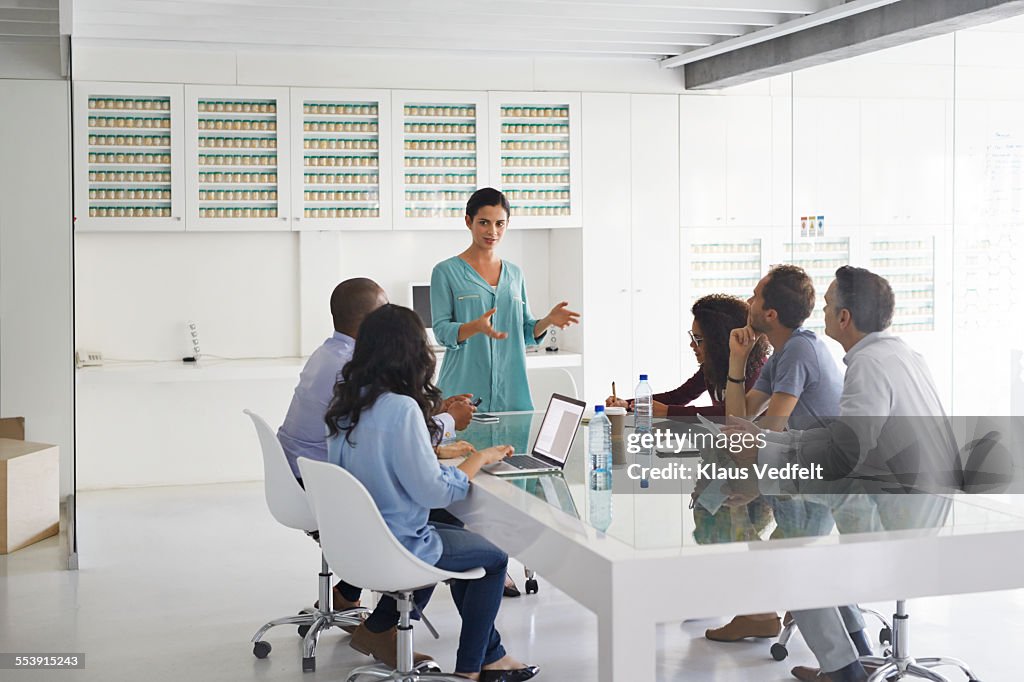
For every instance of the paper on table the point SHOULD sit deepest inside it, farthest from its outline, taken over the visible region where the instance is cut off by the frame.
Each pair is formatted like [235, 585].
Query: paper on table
[712, 497]
[715, 428]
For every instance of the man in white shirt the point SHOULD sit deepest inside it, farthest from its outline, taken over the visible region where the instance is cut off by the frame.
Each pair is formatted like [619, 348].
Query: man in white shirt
[891, 440]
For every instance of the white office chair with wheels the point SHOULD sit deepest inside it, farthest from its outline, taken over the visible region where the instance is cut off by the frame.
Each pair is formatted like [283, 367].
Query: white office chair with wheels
[288, 504]
[361, 548]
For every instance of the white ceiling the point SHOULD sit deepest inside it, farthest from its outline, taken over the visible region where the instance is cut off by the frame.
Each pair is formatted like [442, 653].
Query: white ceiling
[648, 29]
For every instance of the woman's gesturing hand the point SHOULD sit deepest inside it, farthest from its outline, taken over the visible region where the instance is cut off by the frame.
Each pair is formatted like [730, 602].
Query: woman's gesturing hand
[482, 325]
[561, 317]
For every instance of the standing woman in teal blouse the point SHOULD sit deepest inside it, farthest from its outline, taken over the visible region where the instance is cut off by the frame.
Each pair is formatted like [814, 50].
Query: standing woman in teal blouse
[481, 316]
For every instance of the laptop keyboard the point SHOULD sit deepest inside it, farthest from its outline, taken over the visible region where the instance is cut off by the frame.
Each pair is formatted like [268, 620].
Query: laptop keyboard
[526, 462]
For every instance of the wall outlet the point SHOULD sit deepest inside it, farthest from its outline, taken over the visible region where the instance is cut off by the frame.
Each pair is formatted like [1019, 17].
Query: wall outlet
[88, 358]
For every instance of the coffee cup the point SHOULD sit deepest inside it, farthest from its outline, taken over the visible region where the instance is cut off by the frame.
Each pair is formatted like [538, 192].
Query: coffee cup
[617, 416]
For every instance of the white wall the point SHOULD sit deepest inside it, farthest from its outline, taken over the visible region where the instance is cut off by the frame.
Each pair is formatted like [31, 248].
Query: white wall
[35, 264]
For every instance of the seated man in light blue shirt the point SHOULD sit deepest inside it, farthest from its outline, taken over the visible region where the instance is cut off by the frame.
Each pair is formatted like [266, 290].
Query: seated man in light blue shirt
[304, 434]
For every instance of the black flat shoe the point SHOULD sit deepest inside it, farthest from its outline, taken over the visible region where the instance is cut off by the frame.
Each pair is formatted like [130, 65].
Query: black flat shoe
[509, 675]
[510, 590]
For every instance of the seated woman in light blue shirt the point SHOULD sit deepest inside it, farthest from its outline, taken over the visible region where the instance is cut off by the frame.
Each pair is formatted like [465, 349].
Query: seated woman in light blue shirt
[481, 316]
[380, 430]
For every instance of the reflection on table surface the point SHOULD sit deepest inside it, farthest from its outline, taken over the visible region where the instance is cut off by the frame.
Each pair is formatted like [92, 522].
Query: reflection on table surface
[662, 514]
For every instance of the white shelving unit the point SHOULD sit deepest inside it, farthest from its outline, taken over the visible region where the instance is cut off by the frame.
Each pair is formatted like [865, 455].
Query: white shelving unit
[535, 153]
[128, 157]
[820, 257]
[440, 152]
[909, 265]
[341, 152]
[238, 158]
[718, 263]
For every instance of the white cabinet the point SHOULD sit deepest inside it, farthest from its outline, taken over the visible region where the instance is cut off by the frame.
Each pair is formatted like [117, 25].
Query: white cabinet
[341, 159]
[535, 147]
[440, 156]
[128, 157]
[905, 162]
[725, 151]
[826, 160]
[237, 151]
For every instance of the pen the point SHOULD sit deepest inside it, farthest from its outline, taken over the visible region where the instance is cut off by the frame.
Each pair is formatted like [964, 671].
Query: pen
[613, 391]
[476, 403]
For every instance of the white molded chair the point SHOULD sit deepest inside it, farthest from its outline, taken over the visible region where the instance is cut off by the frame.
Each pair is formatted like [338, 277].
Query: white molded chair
[288, 504]
[361, 548]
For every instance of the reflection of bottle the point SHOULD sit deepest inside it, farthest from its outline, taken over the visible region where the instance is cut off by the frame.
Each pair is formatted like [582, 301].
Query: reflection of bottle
[600, 496]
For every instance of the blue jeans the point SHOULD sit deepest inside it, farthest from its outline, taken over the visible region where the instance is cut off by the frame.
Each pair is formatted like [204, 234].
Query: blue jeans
[476, 600]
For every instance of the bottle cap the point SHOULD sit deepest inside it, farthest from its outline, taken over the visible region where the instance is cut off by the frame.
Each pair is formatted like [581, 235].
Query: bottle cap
[598, 408]
[643, 377]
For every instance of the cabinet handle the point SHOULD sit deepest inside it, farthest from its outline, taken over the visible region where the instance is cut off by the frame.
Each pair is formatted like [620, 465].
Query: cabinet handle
[622, 291]
[177, 217]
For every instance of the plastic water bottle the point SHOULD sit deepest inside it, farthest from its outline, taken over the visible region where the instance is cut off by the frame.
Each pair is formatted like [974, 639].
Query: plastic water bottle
[643, 407]
[600, 498]
[600, 440]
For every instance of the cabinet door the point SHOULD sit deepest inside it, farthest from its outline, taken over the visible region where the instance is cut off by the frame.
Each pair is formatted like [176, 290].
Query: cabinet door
[654, 150]
[748, 163]
[826, 160]
[341, 159]
[237, 158]
[926, 162]
[534, 146]
[440, 152]
[882, 168]
[702, 160]
[128, 157]
[607, 305]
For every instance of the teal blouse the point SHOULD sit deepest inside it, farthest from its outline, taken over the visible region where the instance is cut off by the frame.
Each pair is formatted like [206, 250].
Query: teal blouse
[491, 369]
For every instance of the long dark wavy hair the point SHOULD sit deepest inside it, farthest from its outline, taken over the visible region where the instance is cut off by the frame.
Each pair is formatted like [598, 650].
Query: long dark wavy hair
[392, 355]
[717, 315]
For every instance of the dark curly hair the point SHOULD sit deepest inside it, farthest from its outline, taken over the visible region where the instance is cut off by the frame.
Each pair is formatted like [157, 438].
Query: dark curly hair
[392, 355]
[718, 315]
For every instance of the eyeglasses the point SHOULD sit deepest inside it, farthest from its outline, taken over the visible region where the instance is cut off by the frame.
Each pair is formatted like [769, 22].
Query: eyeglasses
[697, 340]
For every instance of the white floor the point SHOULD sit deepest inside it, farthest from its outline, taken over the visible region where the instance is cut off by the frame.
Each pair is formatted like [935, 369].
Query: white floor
[173, 582]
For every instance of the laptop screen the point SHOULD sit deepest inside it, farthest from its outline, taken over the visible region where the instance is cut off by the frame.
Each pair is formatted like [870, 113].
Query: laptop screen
[558, 430]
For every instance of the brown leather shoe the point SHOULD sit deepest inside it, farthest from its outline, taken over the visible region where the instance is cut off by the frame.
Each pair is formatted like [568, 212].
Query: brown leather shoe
[381, 645]
[742, 627]
[805, 674]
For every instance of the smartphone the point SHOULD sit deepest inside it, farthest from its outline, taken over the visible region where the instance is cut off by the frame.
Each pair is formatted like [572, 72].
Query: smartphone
[485, 418]
[476, 403]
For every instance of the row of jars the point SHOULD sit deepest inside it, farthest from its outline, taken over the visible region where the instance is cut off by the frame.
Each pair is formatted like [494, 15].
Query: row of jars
[434, 212]
[540, 210]
[340, 126]
[340, 196]
[901, 263]
[262, 178]
[339, 144]
[915, 327]
[537, 194]
[447, 195]
[820, 247]
[129, 211]
[440, 161]
[727, 265]
[121, 193]
[340, 161]
[335, 109]
[534, 145]
[535, 112]
[128, 122]
[162, 104]
[238, 212]
[535, 178]
[236, 124]
[531, 128]
[341, 213]
[439, 179]
[439, 110]
[459, 128]
[918, 278]
[239, 142]
[130, 140]
[129, 176]
[236, 160]
[746, 284]
[726, 248]
[341, 178]
[534, 162]
[238, 195]
[441, 145]
[95, 157]
[900, 246]
[238, 107]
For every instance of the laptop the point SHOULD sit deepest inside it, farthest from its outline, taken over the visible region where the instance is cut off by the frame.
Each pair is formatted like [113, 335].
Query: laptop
[554, 440]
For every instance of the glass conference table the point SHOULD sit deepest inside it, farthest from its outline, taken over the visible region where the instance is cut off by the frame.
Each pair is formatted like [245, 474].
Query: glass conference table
[646, 557]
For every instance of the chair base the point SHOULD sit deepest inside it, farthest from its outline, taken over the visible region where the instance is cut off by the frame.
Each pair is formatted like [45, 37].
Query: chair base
[780, 651]
[425, 671]
[898, 664]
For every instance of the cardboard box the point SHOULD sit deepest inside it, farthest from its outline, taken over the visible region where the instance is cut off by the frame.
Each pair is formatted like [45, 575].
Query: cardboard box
[29, 493]
[12, 427]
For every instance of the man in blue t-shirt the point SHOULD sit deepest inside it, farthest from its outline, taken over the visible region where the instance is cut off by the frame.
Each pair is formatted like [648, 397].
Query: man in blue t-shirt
[799, 387]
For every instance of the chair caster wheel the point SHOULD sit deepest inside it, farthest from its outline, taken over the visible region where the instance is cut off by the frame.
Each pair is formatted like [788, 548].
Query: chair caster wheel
[531, 586]
[427, 667]
[309, 665]
[261, 649]
[885, 636]
[779, 652]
